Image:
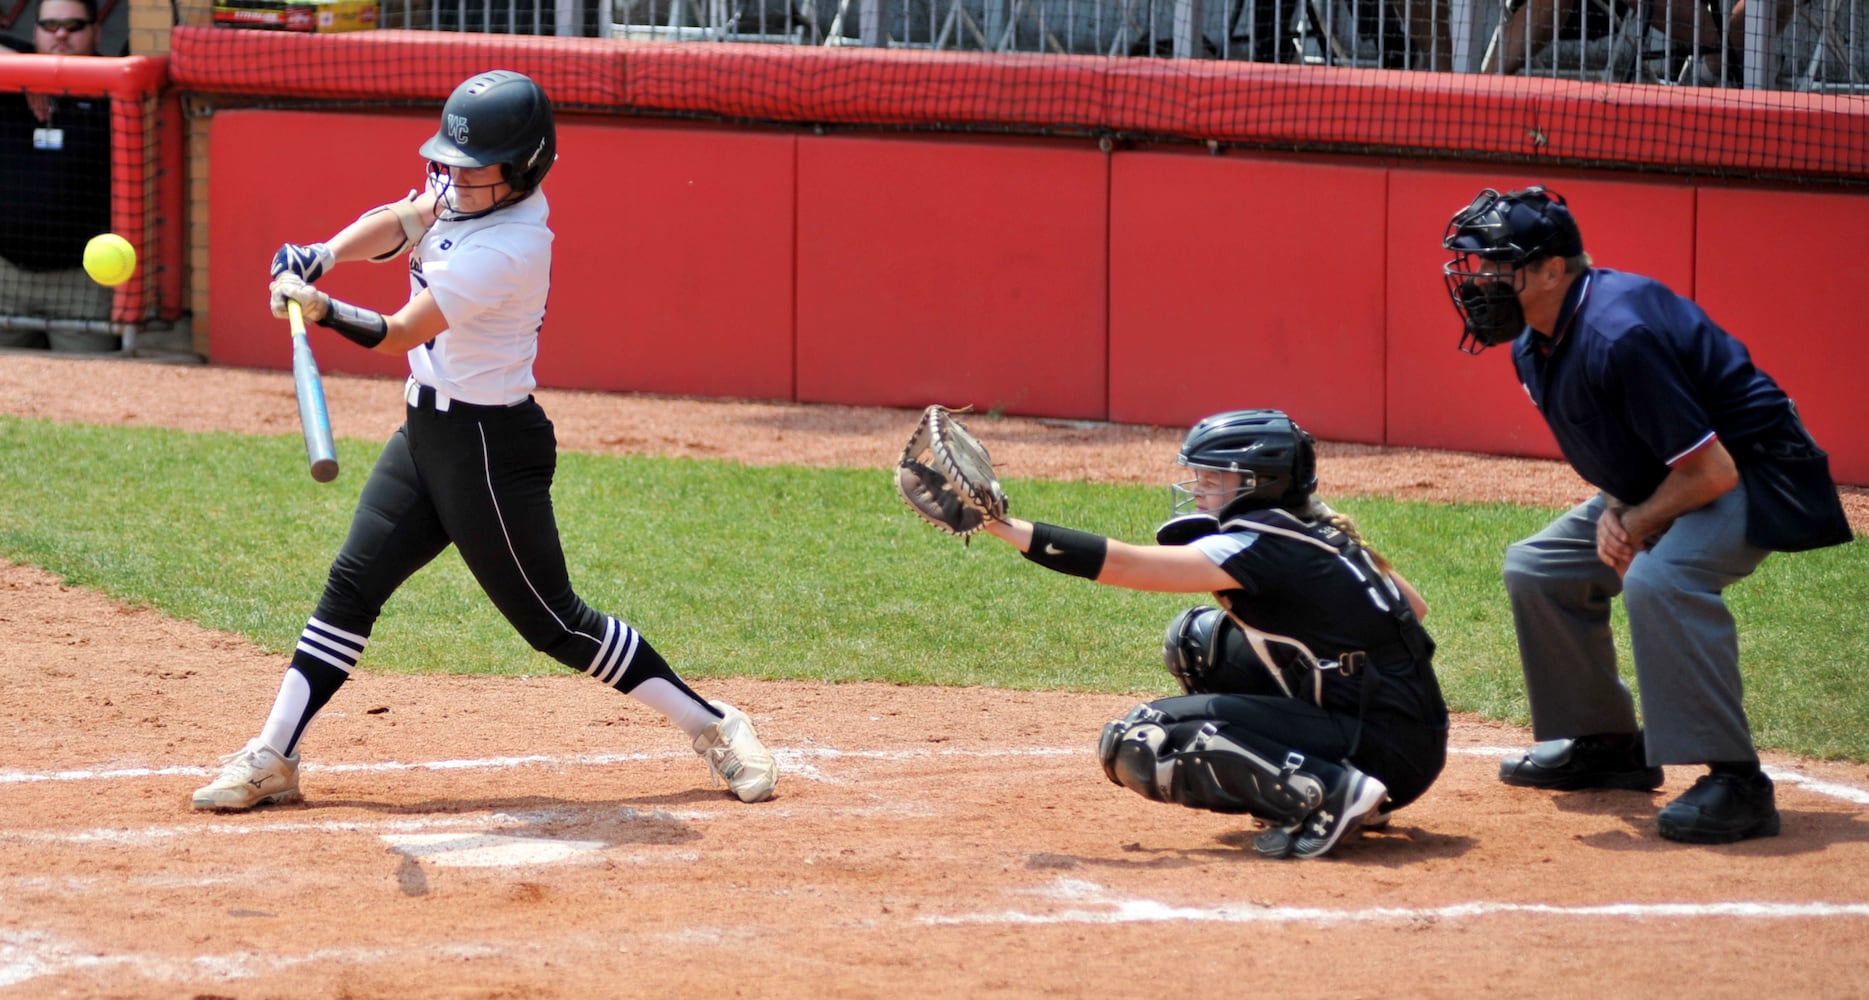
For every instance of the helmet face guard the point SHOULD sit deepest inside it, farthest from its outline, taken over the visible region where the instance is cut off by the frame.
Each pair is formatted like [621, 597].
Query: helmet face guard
[1186, 495]
[1493, 239]
[1486, 295]
[1275, 459]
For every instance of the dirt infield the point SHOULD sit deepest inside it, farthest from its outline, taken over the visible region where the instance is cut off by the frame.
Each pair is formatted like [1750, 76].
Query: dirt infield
[545, 838]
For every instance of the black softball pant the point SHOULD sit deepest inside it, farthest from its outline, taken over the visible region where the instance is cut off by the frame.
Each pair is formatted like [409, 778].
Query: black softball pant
[479, 477]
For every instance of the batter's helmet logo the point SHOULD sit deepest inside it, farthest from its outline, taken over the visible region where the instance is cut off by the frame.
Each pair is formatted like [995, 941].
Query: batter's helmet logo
[457, 129]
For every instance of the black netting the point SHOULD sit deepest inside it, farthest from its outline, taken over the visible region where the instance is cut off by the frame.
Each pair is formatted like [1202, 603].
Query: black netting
[1261, 76]
[76, 165]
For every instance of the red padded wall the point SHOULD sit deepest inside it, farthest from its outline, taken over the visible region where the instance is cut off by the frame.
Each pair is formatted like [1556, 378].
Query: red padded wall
[672, 270]
[262, 194]
[1781, 271]
[1243, 282]
[1145, 287]
[1442, 398]
[673, 263]
[988, 256]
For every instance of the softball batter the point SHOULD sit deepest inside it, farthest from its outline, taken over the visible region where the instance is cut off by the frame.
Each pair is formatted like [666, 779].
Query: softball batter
[1311, 699]
[472, 465]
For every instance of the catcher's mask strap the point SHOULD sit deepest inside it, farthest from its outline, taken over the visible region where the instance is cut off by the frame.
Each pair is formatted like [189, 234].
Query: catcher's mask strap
[1077, 553]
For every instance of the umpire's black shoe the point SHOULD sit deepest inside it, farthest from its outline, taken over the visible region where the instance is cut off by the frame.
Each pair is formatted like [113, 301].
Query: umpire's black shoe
[1610, 760]
[1720, 809]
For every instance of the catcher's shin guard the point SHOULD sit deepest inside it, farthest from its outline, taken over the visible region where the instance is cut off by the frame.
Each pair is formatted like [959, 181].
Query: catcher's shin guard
[1209, 770]
[1223, 774]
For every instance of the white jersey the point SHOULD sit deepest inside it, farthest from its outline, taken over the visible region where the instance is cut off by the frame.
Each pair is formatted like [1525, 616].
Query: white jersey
[490, 276]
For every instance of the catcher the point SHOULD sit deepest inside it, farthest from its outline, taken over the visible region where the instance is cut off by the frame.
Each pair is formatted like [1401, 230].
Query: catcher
[1311, 700]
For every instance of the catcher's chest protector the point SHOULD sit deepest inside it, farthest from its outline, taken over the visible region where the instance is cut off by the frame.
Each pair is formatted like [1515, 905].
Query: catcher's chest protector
[1297, 668]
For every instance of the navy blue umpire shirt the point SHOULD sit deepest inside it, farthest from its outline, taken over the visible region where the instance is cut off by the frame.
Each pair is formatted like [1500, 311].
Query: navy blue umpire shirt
[1635, 378]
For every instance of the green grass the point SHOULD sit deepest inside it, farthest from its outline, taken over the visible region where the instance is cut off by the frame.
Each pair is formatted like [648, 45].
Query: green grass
[813, 574]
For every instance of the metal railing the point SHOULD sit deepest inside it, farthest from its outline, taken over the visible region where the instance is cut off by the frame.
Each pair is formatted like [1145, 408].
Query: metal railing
[1810, 45]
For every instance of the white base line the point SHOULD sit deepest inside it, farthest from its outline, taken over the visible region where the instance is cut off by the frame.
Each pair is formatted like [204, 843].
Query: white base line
[1134, 911]
[794, 757]
[1115, 910]
[30, 954]
[799, 755]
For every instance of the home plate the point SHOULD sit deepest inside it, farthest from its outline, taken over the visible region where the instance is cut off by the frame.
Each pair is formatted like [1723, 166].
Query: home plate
[487, 850]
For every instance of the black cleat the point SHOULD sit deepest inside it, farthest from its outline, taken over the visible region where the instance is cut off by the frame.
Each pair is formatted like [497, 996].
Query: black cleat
[1357, 802]
[1613, 760]
[1356, 797]
[1721, 809]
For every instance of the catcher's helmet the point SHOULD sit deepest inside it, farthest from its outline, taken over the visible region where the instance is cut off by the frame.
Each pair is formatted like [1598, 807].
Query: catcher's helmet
[500, 117]
[1492, 238]
[1276, 459]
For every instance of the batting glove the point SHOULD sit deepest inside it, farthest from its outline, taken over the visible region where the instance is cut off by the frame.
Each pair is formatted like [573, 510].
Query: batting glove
[309, 261]
[313, 304]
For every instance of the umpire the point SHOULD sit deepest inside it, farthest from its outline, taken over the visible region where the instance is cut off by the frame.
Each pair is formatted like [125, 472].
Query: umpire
[1704, 469]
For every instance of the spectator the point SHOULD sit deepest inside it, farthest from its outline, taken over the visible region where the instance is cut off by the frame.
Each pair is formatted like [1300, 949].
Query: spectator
[1740, 49]
[1531, 25]
[1704, 469]
[1429, 32]
[1407, 34]
[55, 156]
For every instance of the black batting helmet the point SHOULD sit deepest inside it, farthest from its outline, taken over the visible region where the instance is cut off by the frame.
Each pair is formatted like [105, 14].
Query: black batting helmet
[1276, 458]
[500, 117]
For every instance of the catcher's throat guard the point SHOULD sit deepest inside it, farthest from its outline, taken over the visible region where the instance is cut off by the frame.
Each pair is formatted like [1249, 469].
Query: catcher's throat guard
[946, 475]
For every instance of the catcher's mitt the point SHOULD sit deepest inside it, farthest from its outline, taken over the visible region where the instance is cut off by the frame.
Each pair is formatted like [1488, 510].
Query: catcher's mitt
[946, 476]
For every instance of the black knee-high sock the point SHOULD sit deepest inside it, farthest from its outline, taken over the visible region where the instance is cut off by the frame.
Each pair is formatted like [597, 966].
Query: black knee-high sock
[320, 665]
[629, 660]
[628, 663]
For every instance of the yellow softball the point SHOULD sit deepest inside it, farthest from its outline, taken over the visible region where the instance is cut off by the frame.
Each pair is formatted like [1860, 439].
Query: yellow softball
[109, 259]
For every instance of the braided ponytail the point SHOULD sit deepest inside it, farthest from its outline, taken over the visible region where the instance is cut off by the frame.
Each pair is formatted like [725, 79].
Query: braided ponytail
[1343, 523]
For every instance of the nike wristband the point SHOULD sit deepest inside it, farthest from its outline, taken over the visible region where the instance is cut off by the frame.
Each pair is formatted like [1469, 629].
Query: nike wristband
[1078, 553]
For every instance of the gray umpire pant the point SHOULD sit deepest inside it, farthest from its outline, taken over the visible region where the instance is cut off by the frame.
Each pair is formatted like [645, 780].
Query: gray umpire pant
[1685, 642]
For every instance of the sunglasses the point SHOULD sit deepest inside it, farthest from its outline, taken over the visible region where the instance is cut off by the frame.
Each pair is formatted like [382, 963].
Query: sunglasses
[54, 25]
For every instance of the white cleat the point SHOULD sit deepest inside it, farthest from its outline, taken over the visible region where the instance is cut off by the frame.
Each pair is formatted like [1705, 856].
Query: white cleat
[254, 775]
[733, 752]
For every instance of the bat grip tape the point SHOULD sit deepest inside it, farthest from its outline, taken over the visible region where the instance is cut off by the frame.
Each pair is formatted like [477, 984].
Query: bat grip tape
[1066, 550]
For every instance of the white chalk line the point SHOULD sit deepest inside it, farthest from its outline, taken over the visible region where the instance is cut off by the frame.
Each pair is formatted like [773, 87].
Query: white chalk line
[795, 762]
[798, 757]
[30, 954]
[1135, 911]
[151, 836]
[466, 822]
[1118, 910]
